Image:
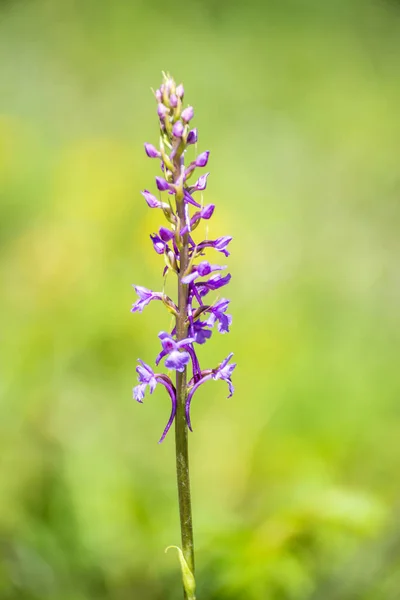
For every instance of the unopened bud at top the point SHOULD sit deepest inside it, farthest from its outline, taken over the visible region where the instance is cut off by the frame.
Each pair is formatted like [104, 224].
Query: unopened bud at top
[187, 114]
[180, 91]
[162, 111]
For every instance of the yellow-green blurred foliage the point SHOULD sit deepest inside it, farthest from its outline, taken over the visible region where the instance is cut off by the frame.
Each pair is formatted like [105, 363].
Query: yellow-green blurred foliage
[296, 481]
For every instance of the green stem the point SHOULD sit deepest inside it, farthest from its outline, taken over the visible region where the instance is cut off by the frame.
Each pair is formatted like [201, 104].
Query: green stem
[181, 429]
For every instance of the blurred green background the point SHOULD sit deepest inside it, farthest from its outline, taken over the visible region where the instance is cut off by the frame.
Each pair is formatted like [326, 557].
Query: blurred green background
[296, 479]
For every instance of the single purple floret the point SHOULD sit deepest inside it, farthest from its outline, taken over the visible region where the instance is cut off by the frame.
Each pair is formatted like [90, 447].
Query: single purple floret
[146, 377]
[217, 314]
[201, 270]
[145, 297]
[177, 356]
[219, 244]
[214, 283]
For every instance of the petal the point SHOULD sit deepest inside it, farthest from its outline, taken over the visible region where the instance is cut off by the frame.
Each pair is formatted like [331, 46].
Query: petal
[177, 360]
[138, 392]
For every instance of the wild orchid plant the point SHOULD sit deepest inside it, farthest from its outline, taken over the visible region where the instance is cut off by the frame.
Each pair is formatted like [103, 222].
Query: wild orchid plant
[194, 317]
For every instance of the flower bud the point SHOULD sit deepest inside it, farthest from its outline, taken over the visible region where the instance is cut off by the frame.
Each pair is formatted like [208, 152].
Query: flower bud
[187, 114]
[158, 95]
[178, 129]
[201, 183]
[158, 244]
[180, 91]
[202, 159]
[192, 136]
[150, 199]
[162, 185]
[162, 111]
[166, 234]
[207, 211]
[173, 100]
[151, 151]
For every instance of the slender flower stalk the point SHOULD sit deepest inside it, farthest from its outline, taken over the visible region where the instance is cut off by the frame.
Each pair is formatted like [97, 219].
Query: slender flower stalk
[196, 278]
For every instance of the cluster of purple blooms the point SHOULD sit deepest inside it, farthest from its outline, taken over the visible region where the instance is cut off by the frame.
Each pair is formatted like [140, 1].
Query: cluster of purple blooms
[200, 276]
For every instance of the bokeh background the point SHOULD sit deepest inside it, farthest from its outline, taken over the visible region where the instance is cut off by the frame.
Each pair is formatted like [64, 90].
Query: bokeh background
[296, 479]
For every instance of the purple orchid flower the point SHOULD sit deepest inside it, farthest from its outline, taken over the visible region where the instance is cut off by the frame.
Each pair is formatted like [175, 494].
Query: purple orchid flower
[214, 283]
[146, 378]
[145, 297]
[201, 332]
[217, 315]
[220, 244]
[176, 242]
[201, 270]
[176, 352]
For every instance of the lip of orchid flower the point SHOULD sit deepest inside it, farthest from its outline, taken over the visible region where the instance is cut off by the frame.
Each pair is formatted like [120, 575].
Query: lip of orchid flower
[201, 270]
[146, 377]
[223, 371]
[200, 332]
